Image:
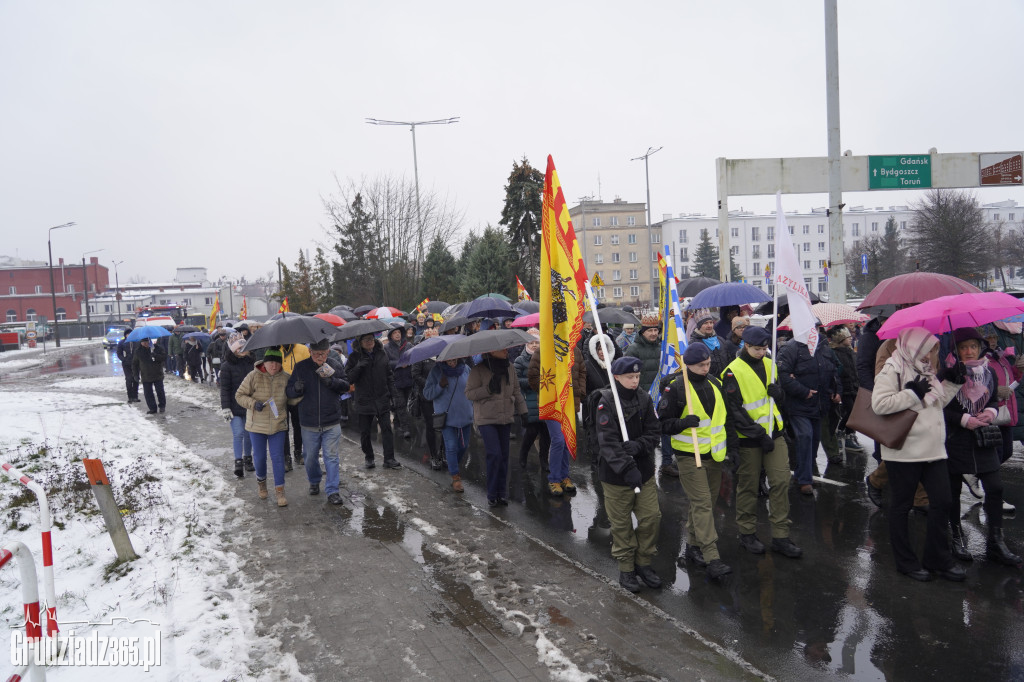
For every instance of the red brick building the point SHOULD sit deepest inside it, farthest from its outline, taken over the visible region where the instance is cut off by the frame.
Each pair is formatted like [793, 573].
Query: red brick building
[25, 290]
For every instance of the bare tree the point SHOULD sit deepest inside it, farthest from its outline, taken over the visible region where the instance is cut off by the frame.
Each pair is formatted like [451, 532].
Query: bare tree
[948, 234]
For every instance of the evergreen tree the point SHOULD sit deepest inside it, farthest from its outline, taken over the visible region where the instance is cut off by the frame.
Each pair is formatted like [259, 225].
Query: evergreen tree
[467, 250]
[487, 268]
[302, 300]
[322, 283]
[521, 217]
[287, 289]
[440, 273]
[360, 257]
[705, 259]
[337, 283]
[735, 274]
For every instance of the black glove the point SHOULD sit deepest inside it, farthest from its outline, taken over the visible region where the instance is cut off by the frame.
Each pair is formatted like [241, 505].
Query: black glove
[919, 386]
[633, 478]
[299, 386]
[524, 419]
[690, 421]
[767, 443]
[775, 391]
[259, 405]
[958, 373]
[326, 381]
[633, 448]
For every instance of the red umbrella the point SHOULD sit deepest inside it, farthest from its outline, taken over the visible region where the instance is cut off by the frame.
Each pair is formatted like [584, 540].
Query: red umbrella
[330, 319]
[526, 321]
[375, 314]
[916, 287]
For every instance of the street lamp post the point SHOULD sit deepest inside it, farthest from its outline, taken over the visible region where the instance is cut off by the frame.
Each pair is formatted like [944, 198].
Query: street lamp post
[117, 289]
[85, 284]
[53, 292]
[416, 175]
[647, 178]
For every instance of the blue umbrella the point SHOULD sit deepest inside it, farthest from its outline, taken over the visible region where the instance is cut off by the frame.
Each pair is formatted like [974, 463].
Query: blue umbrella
[147, 332]
[426, 349]
[728, 293]
[199, 336]
[488, 306]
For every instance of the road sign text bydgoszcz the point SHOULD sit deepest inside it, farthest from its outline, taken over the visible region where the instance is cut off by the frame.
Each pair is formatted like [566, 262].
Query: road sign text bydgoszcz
[907, 171]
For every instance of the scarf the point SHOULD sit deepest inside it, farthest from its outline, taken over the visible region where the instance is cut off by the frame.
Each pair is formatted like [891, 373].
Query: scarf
[450, 371]
[910, 360]
[974, 394]
[499, 371]
[712, 342]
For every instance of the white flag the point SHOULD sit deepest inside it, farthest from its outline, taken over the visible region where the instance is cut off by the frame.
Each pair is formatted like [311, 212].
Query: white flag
[789, 276]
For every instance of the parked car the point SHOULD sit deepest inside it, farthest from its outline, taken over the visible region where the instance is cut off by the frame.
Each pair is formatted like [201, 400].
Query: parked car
[113, 335]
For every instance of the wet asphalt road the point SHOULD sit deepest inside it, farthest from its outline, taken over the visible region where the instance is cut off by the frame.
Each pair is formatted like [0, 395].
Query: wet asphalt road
[840, 610]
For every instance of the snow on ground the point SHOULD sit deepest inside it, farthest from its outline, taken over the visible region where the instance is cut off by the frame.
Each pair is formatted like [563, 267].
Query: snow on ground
[15, 360]
[175, 390]
[174, 506]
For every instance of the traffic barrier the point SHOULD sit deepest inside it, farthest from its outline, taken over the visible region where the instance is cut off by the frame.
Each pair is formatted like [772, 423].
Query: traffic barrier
[30, 598]
[46, 522]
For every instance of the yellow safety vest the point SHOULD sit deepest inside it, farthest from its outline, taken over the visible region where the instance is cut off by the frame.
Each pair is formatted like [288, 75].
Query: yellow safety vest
[756, 401]
[710, 430]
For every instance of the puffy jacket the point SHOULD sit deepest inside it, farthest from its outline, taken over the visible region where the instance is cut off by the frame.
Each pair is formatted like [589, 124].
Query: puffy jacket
[532, 398]
[649, 355]
[232, 373]
[451, 398]
[497, 408]
[371, 374]
[319, 399]
[148, 364]
[259, 386]
[578, 375]
[641, 425]
[800, 373]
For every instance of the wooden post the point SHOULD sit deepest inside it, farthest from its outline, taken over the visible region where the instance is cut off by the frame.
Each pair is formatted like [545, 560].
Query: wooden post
[111, 514]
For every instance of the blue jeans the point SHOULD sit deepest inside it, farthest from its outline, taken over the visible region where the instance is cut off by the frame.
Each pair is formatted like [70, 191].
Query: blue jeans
[496, 444]
[808, 437]
[456, 441]
[558, 454]
[329, 440]
[668, 455]
[275, 441]
[243, 446]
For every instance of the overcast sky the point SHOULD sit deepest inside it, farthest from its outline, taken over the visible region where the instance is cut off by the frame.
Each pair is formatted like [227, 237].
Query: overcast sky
[205, 133]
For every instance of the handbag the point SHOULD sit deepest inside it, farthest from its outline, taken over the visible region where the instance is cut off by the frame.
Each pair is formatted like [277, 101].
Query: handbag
[441, 418]
[1003, 418]
[888, 429]
[988, 436]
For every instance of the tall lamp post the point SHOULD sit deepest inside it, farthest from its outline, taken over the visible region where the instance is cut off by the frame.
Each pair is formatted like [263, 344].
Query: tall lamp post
[647, 177]
[416, 175]
[117, 289]
[53, 292]
[85, 283]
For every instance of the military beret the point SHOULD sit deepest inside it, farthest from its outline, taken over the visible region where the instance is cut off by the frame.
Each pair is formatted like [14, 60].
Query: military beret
[626, 365]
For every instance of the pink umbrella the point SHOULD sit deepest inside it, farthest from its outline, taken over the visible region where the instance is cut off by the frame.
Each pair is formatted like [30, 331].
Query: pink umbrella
[947, 313]
[527, 321]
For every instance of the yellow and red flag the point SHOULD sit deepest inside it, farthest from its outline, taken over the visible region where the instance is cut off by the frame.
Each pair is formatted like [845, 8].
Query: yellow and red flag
[244, 312]
[521, 291]
[563, 279]
[284, 306]
[421, 306]
[214, 311]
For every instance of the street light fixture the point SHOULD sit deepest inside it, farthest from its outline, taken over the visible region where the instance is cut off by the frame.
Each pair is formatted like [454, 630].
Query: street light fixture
[647, 177]
[53, 292]
[117, 289]
[85, 283]
[416, 175]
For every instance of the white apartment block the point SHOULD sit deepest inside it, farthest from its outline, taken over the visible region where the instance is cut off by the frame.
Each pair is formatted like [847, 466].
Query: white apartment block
[752, 236]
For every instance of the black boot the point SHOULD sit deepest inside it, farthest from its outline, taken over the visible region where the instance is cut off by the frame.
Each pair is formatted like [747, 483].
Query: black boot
[247, 460]
[287, 462]
[958, 543]
[998, 550]
[239, 470]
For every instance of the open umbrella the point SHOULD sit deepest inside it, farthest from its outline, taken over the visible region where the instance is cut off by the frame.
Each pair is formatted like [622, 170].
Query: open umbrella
[695, 285]
[611, 315]
[488, 306]
[358, 328]
[282, 316]
[501, 297]
[201, 337]
[330, 319]
[766, 308]
[290, 330]
[531, 320]
[728, 293]
[147, 332]
[436, 306]
[484, 342]
[455, 322]
[185, 328]
[363, 309]
[426, 349]
[384, 312]
[946, 313]
[527, 307]
[340, 306]
[833, 313]
[346, 315]
[916, 287]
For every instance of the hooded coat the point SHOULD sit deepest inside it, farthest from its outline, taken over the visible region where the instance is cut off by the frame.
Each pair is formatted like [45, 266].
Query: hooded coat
[371, 374]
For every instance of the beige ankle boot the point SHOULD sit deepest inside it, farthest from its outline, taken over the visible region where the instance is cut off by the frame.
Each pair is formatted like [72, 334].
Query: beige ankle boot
[281, 502]
[261, 486]
[457, 483]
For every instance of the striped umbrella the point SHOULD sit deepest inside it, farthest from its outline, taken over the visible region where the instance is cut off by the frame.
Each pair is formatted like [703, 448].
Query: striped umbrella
[832, 314]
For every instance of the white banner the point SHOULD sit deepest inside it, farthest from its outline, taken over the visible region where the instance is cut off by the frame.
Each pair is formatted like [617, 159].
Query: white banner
[789, 276]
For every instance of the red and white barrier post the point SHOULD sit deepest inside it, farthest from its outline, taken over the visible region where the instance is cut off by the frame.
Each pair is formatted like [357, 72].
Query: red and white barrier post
[30, 598]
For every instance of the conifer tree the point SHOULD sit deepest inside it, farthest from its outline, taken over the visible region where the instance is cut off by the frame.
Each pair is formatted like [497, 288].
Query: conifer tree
[705, 259]
[521, 217]
[487, 268]
[440, 273]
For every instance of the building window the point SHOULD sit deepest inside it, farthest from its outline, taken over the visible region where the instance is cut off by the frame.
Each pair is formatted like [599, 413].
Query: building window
[614, 240]
[598, 240]
[634, 292]
[615, 257]
[71, 288]
[807, 246]
[807, 266]
[755, 251]
[39, 288]
[682, 236]
[209, 301]
[655, 237]
[822, 263]
[633, 274]
[855, 229]
[631, 239]
[631, 220]
[1011, 217]
[755, 234]
[595, 222]
[632, 256]
[684, 253]
[995, 216]
[599, 258]
[616, 275]
[903, 224]
[821, 229]
[874, 227]
[654, 256]
[599, 292]
[614, 220]
[822, 285]
[791, 230]
[30, 315]
[131, 307]
[12, 316]
[12, 290]
[807, 229]
[734, 251]
[734, 231]
[616, 292]
[771, 250]
[821, 247]
[106, 307]
[771, 232]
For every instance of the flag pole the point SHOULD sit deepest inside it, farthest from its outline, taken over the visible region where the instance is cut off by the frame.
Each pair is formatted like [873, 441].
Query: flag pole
[607, 362]
[770, 426]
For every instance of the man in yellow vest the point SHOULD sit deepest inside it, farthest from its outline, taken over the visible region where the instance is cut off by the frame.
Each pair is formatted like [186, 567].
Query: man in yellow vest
[750, 395]
[686, 408]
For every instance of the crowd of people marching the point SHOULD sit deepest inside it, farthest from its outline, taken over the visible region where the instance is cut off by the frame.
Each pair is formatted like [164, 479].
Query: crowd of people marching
[733, 405]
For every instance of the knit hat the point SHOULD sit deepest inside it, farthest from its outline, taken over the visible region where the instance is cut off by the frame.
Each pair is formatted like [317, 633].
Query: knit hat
[322, 344]
[626, 365]
[740, 321]
[236, 342]
[756, 336]
[966, 334]
[273, 355]
[649, 322]
[703, 319]
[695, 354]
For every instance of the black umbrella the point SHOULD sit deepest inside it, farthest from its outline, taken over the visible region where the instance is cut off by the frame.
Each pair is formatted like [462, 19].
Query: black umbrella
[291, 330]
[363, 309]
[527, 307]
[452, 310]
[695, 285]
[488, 306]
[436, 306]
[283, 316]
[358, 328]
[346, 315]
[426, 349]
[340, 306]
[766, 308]
[485, 342]
[611, 315]
[185, 328]
[455, 322]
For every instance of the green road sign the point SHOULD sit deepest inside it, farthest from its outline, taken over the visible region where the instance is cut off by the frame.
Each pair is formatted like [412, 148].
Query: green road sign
[908, 171]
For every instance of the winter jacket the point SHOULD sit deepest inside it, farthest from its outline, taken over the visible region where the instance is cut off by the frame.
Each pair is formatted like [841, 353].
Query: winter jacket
[148, 364]
[673, 401]
[193, 356]
[371, 374]
[232, 373]
[800, 373]
[531, 396]
[649, 355]
[497, 408]
[847, 366]
[216, 350]
[320, 398]
[867, 347]
[451, 398]
[746, 428]
[126, 353]
[927, 437]
[259, 386]
[296, 353]
[174, 344]
[403, 375]
[578, 376]
[641, 425]
[420, 372]
[1005, 371]
[720, 357]
[965, 456]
